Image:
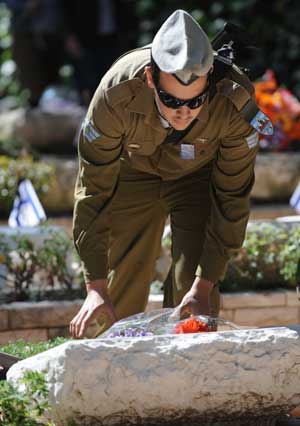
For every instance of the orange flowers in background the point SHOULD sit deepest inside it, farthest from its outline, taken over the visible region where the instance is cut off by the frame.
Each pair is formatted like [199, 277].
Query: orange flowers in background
[283, 108]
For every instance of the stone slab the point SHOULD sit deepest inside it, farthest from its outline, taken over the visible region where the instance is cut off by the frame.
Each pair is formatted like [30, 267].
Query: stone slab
[276, 175]
[292, 299]
[29, 335]
[270, 211]
[267, 316]
[196, 379]
[3, 320]
[60, 197]
[253, 299]
[41, 314]
[227, 314]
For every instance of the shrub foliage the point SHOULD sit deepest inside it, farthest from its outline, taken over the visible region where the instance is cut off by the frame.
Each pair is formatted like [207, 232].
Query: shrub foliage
[32, 272]
[11, 170]
[268, 259]
[24, 407]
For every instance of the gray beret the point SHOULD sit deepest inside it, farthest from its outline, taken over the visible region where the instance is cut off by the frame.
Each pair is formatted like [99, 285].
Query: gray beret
[182, 48]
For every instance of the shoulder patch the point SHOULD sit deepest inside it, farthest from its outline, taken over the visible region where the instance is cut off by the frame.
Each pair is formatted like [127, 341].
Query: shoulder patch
[252, 140]
[89, 130]
[246, 106]
[262, 124]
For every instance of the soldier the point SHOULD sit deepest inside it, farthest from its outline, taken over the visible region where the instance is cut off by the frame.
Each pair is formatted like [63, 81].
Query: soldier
[162, 138]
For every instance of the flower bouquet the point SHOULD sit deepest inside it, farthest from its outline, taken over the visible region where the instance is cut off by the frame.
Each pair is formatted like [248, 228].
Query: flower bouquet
[164, 321]
[283, 108]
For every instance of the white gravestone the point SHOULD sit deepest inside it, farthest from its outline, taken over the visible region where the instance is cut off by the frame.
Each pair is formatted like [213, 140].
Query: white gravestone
[195, 379]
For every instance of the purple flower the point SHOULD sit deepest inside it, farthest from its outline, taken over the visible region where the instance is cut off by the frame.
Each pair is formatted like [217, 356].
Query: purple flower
[131, 332]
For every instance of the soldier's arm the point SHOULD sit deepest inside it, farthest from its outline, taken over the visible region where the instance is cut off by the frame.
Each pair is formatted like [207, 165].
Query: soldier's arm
[99, 149]
[232, 181]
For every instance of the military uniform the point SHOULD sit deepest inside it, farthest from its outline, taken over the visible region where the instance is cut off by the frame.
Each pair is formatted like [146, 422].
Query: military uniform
[134, 172]
[131, 178]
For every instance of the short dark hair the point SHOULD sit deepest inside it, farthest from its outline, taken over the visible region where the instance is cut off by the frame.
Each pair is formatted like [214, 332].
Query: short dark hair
[154, 71]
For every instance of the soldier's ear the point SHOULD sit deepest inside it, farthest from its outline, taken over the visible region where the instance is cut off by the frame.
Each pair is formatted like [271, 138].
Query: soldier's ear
[149, 77]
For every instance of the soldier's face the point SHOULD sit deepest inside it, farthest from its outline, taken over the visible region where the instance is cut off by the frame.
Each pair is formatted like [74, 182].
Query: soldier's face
[181, 117]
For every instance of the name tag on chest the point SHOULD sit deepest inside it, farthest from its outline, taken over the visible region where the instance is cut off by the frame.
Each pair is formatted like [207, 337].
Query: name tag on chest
[187, 151]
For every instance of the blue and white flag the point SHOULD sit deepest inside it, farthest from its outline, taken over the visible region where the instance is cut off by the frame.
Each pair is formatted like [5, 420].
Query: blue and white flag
[27, 209]
[295, 199]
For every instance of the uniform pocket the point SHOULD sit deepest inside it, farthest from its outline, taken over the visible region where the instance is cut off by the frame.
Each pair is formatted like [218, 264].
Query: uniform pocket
[206, 146]
[193, 151]
[142, 139]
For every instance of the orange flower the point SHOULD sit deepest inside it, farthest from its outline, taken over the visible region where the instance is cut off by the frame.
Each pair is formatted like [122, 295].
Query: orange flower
[282, 107]
[191, 325]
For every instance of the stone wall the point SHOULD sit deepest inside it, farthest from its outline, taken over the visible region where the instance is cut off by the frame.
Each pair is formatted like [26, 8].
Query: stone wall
[261, 309]
[255, 309]
[45, 320]
[37, 321]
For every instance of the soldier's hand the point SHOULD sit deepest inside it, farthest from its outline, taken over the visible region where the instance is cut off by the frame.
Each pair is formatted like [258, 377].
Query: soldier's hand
[97, 303]
[197, 300]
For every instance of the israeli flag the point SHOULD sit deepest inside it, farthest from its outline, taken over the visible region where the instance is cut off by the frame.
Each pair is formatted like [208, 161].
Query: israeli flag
[295, 199]
[27, 209]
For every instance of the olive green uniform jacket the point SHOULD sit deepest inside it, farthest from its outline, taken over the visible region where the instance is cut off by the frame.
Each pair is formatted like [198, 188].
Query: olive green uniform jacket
[122, 124]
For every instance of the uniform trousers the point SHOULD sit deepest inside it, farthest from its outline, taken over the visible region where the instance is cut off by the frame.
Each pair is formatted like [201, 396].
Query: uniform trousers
[140, 208]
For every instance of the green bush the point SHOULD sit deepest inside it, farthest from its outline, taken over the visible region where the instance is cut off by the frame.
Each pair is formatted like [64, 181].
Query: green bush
[11, 170]
[268, 259]
[23, 349]
[8, 82]
[24, 407]
[55, 262]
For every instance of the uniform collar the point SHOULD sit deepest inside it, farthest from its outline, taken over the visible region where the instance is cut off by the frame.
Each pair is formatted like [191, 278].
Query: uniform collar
[162, 119]
[203, 115]
[142, 102]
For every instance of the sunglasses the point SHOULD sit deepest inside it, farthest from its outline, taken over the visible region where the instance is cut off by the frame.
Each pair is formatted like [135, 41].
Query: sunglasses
[175, 103]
